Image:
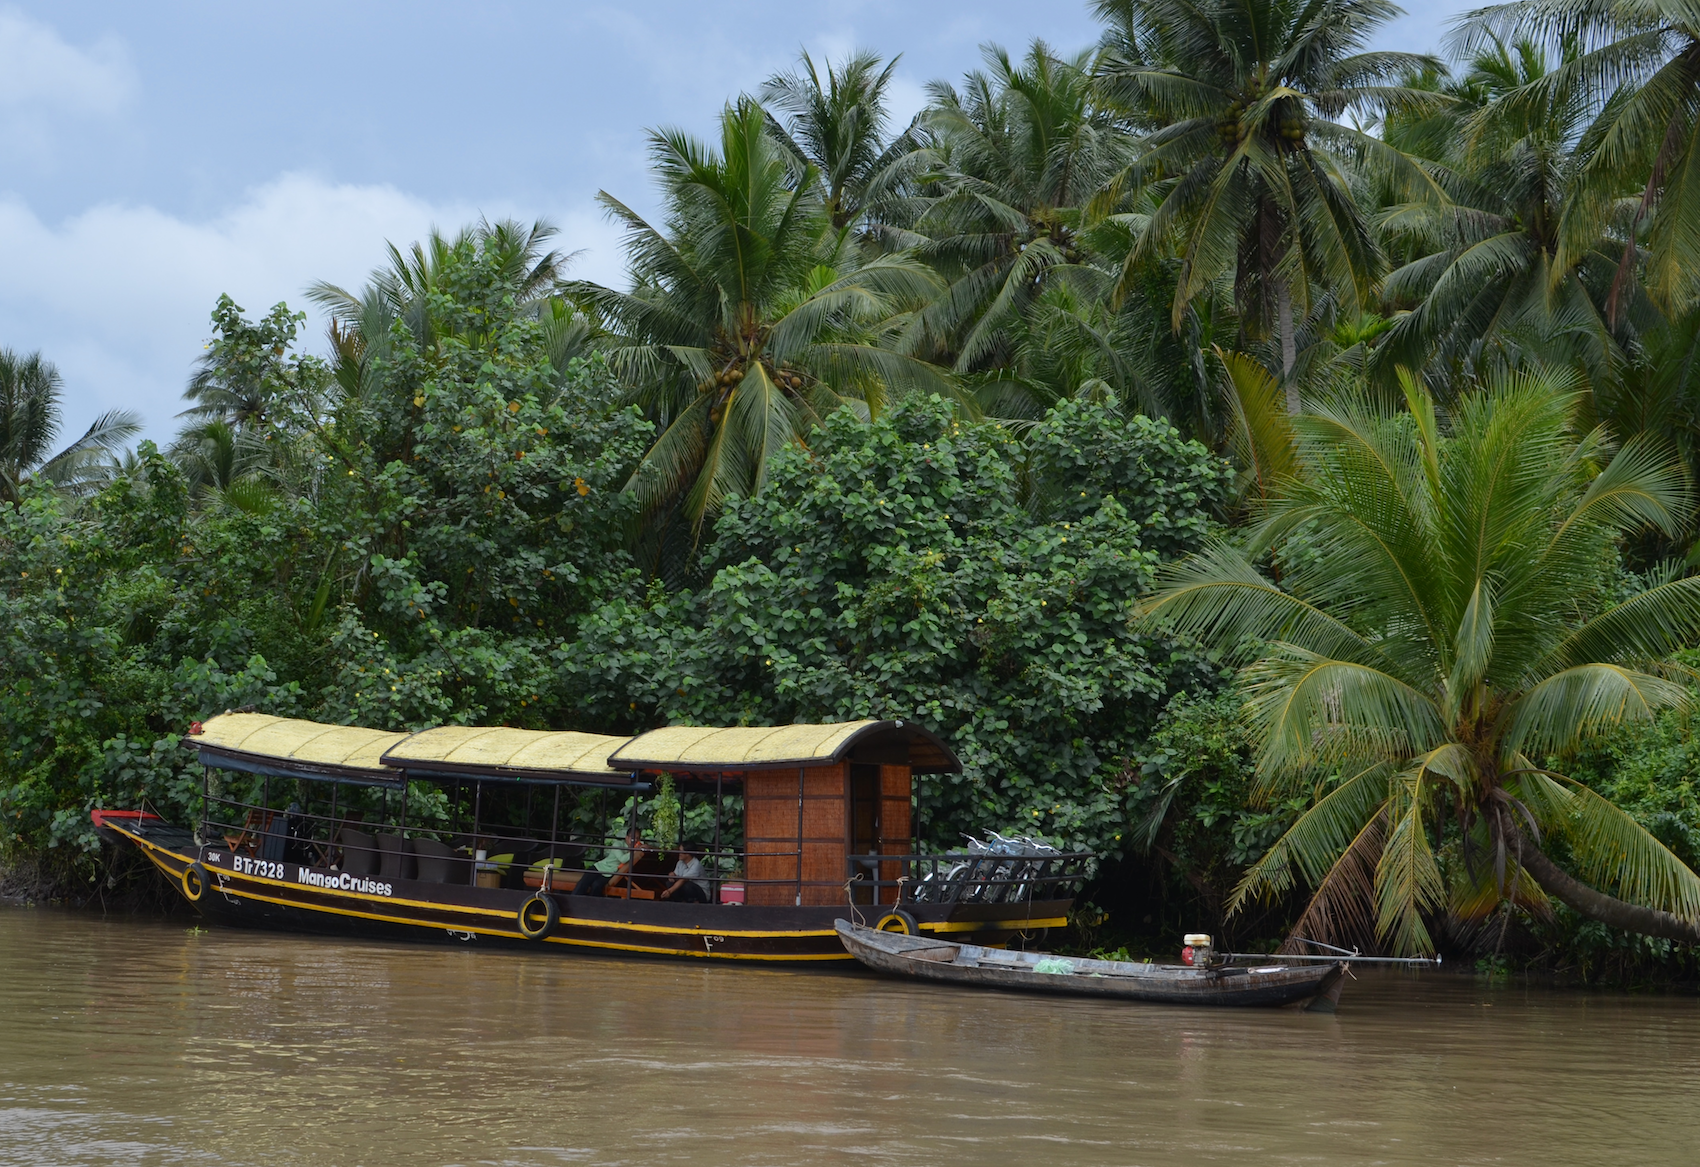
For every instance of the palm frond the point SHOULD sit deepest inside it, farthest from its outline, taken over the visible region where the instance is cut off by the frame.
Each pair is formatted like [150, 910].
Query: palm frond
[1614, 850]
[1309, 710]
[1407, 877]
[1317, 839]
[1263, 431]
[1575, 705]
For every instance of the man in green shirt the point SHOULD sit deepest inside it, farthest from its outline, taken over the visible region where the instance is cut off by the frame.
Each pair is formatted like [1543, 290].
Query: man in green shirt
[616, 860]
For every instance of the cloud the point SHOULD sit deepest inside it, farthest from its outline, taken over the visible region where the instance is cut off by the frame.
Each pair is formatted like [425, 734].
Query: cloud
[39, 70]
[119, 296]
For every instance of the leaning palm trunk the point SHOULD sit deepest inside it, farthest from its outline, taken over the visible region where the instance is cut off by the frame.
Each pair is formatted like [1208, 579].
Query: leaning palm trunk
[1432, 641]
[1567, 889]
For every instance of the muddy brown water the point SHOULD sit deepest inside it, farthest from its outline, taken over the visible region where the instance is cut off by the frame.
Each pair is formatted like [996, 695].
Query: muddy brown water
[145, 1042]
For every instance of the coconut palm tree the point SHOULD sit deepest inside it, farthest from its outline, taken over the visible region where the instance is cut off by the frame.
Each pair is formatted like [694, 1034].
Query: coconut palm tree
[402, 290]
[1485, 284]
[1441, 631]
[1071, 344]
[226, 465]
[1017, 154]
[31, 390]
[1640, 65]
[837, 125]
[749, 317]
[1248, 152]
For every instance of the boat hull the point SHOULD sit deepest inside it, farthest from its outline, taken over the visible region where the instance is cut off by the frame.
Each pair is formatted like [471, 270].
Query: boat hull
[243, 892]
[936, 959]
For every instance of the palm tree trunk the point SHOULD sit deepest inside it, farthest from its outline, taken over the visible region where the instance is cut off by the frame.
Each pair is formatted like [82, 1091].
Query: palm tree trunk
[1289, 355]
[1609, 910]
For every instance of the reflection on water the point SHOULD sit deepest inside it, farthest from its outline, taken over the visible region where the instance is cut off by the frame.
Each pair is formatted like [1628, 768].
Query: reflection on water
[143, 1042]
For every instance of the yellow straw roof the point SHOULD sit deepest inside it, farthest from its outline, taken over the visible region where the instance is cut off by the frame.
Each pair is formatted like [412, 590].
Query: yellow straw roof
[298, 744]
[287, 745]
[705, 748]
[498, 751]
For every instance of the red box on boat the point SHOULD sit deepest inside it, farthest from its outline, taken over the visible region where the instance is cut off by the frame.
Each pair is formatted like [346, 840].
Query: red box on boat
[731, 893]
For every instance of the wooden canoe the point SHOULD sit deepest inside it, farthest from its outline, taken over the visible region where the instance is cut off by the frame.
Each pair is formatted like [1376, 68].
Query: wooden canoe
[1315, 987]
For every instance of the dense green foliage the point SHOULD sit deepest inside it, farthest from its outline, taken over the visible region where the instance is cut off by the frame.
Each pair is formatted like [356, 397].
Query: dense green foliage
[891, 571]
[451, 550]
[910, 424]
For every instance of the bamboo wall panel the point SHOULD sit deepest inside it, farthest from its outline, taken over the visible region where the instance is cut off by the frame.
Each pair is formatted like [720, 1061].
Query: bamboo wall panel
[896, 782]
[770, 837]
[826, 825]
[772, 842]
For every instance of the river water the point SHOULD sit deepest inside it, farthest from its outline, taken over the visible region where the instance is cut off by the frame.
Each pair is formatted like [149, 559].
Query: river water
[149, 1042]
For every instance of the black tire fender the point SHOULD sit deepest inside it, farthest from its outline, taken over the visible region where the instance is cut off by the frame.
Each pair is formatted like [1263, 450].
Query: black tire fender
[195, 881]
[538, 916]
[898, 920]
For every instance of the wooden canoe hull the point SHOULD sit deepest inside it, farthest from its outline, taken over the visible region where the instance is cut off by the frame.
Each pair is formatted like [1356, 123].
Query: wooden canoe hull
[289, 897]
[936, 959]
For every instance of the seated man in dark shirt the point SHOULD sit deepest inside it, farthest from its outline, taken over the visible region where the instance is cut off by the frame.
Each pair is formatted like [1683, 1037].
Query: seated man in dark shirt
[687, 886]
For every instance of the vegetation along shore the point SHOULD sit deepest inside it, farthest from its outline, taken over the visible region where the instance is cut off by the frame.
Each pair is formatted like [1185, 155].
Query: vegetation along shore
[1269, 462]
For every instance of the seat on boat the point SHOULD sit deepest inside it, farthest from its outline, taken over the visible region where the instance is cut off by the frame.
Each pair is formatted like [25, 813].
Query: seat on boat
[395, 855]
[254, 829]
[515, 858]
[567, 854]
[437, 862]
[359, 852]
[558, 879]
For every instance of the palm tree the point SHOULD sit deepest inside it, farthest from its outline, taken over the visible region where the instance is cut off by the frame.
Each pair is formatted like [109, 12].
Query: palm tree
[1486, 280]
[750, 317]
[1071, 344]
[1641, 68]
[402, 290]
[1441, 630]
[30, 401]
[1248, 153]
[1017, 152]
[837, 125]
[224, 464]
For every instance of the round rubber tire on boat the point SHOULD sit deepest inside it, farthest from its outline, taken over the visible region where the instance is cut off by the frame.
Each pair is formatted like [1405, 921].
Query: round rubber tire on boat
[195, 882]
[898, 920]
[530, 926]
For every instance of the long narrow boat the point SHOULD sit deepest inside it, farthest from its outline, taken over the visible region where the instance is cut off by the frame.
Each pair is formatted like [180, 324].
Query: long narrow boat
[932, 958]
[491, 836]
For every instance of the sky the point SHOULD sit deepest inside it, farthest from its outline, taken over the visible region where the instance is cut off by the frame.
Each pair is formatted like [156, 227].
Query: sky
[154, 156]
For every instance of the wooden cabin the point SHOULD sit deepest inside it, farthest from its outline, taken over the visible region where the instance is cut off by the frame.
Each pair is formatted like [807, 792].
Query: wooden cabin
[814, 796]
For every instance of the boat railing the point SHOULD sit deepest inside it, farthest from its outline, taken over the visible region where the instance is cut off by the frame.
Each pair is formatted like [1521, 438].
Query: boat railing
[505, 855]
[967, 877]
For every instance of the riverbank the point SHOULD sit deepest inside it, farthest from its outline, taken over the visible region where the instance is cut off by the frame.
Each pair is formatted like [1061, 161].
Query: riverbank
[123, 883]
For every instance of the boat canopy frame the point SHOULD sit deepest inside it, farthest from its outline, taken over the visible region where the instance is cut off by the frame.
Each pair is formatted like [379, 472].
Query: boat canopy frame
[712, 760]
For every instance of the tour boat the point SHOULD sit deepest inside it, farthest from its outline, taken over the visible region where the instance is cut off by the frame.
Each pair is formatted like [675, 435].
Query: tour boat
[938, 959]
[308, 827]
